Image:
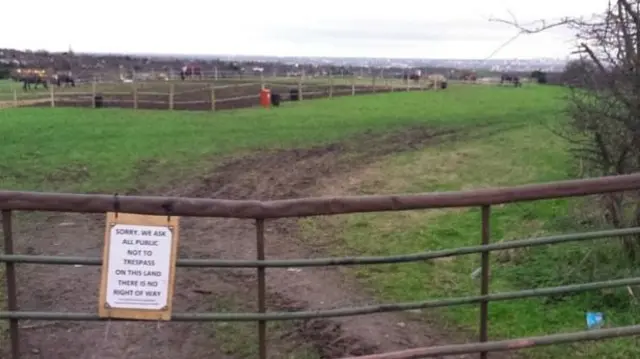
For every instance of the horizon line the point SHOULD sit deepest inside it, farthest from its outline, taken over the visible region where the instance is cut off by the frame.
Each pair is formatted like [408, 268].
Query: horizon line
[348, 57]
[316, 56]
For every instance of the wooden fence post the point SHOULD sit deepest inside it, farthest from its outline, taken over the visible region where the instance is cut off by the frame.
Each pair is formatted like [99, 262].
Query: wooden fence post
[300, 86]
[135, 95]
[330, 85]
[373, 82]
[353, 85]
[172, 92]
[15, 98]
[93, 92]
[213, 96]
[53, 96]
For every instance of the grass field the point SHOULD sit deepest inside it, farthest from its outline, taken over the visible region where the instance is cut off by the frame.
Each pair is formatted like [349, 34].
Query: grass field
[77, 149]
[67, 149]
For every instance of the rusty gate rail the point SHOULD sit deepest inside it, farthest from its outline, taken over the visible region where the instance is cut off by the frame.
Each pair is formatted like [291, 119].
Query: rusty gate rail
[261, 210]
[504, 345]
[253, 209]
[340, 261]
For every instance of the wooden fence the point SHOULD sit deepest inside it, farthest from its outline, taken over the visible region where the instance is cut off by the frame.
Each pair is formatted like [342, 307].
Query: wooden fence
[203, 95]
[261, 210]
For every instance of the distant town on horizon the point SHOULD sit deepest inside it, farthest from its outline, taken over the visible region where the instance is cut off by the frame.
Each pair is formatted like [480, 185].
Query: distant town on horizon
[491, 64]
[494, 64]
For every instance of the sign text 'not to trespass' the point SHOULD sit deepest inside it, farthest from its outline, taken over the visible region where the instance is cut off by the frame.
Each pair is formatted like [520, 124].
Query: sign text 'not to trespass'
[138, 266]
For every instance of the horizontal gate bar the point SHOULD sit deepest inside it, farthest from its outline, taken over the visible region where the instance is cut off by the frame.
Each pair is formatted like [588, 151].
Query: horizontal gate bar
[504, 345]
[312, 206]
[323, 262]
[342, 312]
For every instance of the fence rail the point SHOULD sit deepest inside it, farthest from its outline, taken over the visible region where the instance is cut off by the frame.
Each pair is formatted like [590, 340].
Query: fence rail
[302, 207]
[504, 345]
[260, 210]
[208, 90]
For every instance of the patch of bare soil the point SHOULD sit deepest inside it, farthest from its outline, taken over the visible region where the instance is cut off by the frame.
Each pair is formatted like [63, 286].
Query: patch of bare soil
[266, 175]
[9, 104]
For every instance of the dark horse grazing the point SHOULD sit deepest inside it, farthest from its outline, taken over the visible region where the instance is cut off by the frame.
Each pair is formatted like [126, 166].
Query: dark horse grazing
[63, 78]
[515, 80]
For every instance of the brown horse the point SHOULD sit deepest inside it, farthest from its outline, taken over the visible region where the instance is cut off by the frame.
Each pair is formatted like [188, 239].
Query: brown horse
[189, 71]
[512, 79]
[468, 76]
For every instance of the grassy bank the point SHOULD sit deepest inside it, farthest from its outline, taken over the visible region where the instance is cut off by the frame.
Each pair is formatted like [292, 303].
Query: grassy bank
[525, 155]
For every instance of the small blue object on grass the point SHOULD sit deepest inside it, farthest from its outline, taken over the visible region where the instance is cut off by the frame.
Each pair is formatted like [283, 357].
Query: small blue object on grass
[594, 320]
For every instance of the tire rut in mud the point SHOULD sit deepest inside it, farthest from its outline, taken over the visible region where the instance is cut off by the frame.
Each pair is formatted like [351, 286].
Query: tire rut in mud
[283, 174]
[274, 174]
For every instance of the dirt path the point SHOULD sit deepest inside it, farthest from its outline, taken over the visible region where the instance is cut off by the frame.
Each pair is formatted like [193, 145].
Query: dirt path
[10, 104]
[268, 175]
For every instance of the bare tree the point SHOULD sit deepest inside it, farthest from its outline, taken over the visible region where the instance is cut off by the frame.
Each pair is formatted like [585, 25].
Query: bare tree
[604, 102]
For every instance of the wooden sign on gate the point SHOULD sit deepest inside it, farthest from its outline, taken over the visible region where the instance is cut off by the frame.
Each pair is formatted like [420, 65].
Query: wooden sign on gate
[138, 266]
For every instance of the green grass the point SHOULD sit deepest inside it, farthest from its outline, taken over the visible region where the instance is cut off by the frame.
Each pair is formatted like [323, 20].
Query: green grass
[5, 85]
[87, 150]
[524, 155]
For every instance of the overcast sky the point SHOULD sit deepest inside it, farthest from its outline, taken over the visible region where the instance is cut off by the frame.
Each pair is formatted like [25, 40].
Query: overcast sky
[397, 28]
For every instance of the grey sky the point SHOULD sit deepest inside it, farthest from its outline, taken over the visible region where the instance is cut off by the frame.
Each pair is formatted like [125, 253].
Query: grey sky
[399, 28]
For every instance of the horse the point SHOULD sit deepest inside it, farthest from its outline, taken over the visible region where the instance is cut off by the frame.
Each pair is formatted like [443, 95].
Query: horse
[63, 78]
[189, 71]
[414, 76]
[469, 76]
[32, 76]
[515, 80]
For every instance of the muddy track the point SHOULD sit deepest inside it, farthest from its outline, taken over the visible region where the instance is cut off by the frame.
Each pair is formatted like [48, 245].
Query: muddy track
[267, 175]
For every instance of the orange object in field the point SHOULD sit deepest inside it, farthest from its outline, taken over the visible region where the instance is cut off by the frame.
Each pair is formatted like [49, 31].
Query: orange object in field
[265, 98]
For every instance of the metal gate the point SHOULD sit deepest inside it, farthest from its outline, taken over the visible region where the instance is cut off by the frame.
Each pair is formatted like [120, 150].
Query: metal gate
[261, 210]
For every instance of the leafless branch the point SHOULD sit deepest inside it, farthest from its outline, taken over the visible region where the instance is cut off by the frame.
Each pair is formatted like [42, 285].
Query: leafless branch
[603, 106]
[505, 44]
[533, 27]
